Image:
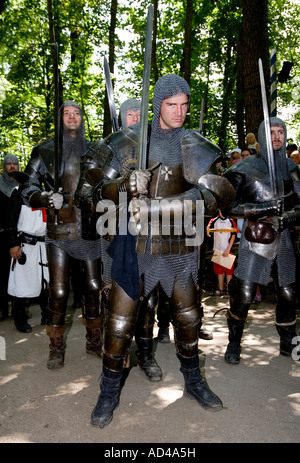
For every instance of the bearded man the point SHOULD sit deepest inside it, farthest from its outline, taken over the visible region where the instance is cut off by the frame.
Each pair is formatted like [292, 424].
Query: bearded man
[266, 249]
[70, 231]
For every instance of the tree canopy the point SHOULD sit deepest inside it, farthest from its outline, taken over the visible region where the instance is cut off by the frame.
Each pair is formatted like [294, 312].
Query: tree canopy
[213, 44]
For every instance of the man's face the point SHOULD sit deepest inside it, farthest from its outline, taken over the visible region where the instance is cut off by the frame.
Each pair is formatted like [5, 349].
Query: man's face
[11, 167]
[132, 117]
[71, 119]
[173, 112]
[277, 136]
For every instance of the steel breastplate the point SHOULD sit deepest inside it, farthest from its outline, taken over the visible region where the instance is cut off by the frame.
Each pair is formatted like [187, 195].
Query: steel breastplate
[167, 181]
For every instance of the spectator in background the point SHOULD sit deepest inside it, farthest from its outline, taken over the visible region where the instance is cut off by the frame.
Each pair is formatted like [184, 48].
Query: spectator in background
[245, 152]
[295, 156]
[233, 156]
[223, 241]
[252, 143]
[220, 168]
[290, 148]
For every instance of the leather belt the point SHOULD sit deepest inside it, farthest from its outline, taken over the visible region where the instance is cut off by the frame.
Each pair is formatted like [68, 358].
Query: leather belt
[30, 239]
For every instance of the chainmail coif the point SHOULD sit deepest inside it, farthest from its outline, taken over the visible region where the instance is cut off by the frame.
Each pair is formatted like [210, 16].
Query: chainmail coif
[282, 164]
[129, 105]
[8, 183]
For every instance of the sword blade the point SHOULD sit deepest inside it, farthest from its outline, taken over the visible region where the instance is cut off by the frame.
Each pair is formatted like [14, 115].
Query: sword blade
[57, 136]
[271, 162]
[142, 148]
[110, 95]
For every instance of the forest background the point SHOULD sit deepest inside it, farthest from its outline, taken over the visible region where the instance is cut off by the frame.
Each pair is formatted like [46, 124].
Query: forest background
[214, 45]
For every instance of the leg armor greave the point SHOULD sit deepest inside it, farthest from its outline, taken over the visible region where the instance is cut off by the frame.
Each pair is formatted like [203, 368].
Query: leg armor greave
[92, 286]
[186, 318]
[242, 293]
[119, 328]
[146, 315]
[285, 305]
[286, 318]
[59, 287]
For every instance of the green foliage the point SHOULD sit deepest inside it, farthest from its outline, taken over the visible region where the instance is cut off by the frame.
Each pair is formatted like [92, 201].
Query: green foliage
[82, 32]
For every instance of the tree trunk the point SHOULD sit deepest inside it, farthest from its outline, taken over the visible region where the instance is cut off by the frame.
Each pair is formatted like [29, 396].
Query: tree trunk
[228, 86]
[107, 125]
[240, 95]
[254, 44]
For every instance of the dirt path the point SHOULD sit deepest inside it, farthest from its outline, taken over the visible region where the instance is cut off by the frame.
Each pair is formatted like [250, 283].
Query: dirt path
[261, 395]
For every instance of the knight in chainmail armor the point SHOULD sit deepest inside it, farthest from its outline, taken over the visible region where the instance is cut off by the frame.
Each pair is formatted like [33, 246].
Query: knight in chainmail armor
[266, 249]
[7, 185]
[129, 113]
[70, 231]
[179, 166]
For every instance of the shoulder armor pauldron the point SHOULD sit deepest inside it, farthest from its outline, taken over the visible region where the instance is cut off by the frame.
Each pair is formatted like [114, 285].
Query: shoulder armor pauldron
[123, 143]
[198, 155]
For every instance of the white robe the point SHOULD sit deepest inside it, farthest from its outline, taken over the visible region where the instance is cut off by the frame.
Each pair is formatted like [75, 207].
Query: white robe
[26, 280]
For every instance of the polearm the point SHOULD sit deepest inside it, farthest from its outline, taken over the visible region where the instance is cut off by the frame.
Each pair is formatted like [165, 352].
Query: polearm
[271, 162]
[110, 96]
[142, 147]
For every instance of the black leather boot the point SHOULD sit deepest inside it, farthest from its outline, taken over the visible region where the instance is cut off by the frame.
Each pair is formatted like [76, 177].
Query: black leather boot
[146, 359]
[233, 351]
[287, 333]
[195, 386]
[108, 399]
[20, 316]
